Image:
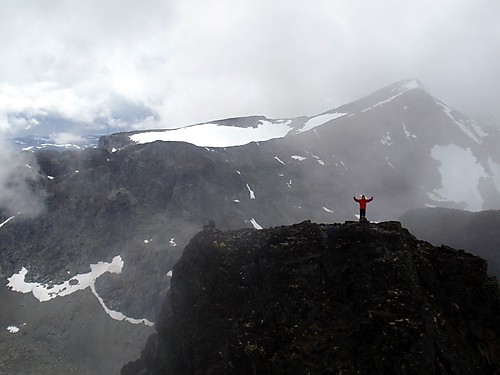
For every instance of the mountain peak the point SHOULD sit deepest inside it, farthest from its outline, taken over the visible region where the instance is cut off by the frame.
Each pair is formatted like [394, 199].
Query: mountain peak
[314, 299]
[407, 85]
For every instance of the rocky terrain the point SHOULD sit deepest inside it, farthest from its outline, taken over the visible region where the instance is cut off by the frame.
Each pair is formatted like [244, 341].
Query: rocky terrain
[355, 298]
[128, 207]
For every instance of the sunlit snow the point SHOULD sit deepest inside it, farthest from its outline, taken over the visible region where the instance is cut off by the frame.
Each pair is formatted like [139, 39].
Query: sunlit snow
[215, 135]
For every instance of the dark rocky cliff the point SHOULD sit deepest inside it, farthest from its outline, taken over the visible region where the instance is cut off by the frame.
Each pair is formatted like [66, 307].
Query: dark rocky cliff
[325, 299]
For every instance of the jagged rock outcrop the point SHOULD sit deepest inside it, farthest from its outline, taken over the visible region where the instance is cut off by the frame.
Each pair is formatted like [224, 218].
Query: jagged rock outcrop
[325, 299]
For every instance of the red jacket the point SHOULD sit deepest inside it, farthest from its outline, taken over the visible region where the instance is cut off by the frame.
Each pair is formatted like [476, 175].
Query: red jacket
[363, 201]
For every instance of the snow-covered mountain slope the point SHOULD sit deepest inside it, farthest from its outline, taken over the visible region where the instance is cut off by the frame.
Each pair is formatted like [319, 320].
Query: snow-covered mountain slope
[142, 195]
[220, 135]
[402, 127]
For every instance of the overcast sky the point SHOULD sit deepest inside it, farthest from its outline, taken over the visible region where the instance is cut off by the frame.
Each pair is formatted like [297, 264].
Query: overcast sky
[170, 63]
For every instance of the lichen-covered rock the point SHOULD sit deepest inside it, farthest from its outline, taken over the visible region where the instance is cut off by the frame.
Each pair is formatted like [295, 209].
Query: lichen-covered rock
[325, 299]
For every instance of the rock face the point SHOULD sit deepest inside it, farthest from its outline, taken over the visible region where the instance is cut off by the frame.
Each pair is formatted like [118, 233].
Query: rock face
[325, 299]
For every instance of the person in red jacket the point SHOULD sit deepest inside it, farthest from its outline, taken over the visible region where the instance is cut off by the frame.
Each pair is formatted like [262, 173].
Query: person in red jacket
[362, 206]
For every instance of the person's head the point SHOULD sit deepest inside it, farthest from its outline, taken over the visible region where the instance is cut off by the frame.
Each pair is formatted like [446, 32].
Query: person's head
[363, 196]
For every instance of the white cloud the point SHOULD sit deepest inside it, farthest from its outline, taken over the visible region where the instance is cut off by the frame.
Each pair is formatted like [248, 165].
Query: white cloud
[66, 138]
[194, 61]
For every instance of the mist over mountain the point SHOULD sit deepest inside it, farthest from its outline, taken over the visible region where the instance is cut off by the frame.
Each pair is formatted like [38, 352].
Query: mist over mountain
[477, 232]
[116, 217]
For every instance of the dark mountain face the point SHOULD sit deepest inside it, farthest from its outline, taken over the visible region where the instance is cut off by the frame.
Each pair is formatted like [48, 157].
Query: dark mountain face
[477, 232]
[143, 202]
[325, 299]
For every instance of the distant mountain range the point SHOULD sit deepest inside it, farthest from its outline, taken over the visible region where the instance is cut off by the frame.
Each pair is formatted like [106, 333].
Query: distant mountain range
[118, 215]
[35, 143]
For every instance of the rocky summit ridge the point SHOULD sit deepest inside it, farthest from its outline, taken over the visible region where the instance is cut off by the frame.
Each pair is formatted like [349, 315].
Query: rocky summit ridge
[352, 298]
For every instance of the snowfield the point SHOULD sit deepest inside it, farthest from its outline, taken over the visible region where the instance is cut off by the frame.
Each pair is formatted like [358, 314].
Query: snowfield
[79, 282]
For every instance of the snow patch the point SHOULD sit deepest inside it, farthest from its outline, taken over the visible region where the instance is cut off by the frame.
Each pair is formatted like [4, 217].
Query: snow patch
[298, 157]
[215, 135]
[252, 193]
[13, 329]
[409, 136]
[460, 176]
[116, 315]
[410, 85]
[79, 282]
[316, 121]
[383, 102]
[6, 221]
[327, 209]
[44, 292]
[386, 139]
[277, 158]
[388, 162]
[255, 224]
[462, 125]
[321, 162]
[172, 242]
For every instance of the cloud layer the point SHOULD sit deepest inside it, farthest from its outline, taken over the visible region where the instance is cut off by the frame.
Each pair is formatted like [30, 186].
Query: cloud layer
[122, 64]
